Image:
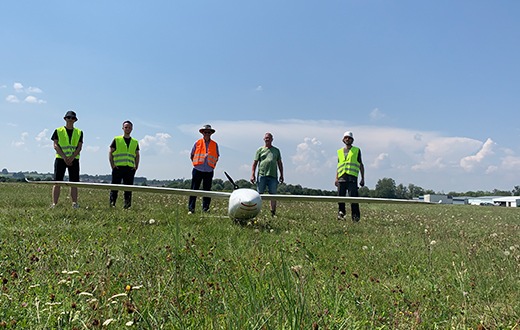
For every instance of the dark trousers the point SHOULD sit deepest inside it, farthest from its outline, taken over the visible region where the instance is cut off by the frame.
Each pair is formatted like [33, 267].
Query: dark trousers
[126, 175]
[198, 177]
[351, 187]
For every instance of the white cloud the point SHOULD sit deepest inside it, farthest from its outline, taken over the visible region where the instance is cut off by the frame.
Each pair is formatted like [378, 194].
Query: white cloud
[12, 99]
[34, 100]
[43, 140]
[470, 162]
[157, 143]
[310, 158]
[21, 142]
[34, 90]
[377, 114]
[381, 161]
[18, 87]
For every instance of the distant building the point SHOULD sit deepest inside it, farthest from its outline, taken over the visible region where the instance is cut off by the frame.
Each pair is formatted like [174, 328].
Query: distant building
[508, 201]
[440, 199]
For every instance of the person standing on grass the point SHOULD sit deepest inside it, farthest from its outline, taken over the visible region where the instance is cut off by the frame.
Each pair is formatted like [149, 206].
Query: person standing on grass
[204, 157]
[268, 159]
[124, 159]
[67, 141]
[350, 165]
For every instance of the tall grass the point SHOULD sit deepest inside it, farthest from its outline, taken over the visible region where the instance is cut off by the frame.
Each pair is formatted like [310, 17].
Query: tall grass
[155, 267]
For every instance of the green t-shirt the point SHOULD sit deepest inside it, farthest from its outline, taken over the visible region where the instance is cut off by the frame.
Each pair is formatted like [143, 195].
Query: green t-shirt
[268, 161]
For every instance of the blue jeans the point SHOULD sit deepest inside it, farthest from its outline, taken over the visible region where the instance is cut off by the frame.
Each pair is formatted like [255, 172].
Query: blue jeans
[267, 181]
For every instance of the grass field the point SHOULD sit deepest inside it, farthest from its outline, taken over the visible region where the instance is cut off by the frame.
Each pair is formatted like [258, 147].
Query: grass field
[154, 266]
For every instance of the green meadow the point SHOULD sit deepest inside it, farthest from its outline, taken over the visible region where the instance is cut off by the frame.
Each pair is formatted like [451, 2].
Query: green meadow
[156, 267]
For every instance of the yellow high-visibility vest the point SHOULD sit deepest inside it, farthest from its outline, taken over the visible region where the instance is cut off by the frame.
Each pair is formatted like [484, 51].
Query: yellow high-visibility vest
[68, 146]
[124, 155]
[349, 164]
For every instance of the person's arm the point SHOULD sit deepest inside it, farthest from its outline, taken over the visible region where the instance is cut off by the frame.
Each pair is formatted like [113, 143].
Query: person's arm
[280, 167]
[60, 152]
[253, 171]
[137, 158]
[361, 171]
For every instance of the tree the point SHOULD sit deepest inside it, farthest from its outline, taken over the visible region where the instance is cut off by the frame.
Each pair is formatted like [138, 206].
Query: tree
[385, 188]
[516, 191]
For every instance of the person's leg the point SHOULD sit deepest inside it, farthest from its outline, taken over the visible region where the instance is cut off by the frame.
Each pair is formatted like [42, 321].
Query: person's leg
[261, 184]
[206, 185]
[354, 207]
[196, 179]
[272, 187]
[116, 179]
[59, 174]
[342, 191]
[128, 179]
[74, 177]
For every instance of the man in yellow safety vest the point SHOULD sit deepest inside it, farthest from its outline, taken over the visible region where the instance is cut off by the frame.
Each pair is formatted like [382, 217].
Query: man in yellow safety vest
[68, 142]
[350, 165]
[124, 159]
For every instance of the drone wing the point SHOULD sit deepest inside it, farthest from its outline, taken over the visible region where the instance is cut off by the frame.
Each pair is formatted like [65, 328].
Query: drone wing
[148, 189]
[338, 199]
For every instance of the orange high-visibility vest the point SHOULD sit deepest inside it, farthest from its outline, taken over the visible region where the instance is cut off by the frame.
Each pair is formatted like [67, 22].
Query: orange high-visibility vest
[200, 153]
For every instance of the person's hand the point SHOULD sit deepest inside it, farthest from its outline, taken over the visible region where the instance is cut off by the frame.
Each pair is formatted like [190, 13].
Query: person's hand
[281, 179]
[252, 180]
[362, 182]
[336, 183]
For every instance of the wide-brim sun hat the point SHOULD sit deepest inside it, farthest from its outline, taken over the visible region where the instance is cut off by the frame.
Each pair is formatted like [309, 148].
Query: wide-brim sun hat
[348, 134]
[206, 128]
[70, 113]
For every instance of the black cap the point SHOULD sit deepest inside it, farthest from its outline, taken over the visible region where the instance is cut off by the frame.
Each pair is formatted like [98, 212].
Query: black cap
[70, 113]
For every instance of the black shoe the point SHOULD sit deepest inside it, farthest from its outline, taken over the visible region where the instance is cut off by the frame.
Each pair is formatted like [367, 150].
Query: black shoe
[341, 215]
[112, 204]
[273, 213]
[205, 210]
[355, 219]
[127, 205]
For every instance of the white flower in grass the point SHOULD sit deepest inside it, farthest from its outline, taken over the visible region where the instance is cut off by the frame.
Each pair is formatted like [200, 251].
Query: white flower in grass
[507, 253]
[512, 248]
[151, 221]
[365, 247]
[107, 322]
[433, 242]
[493, 235]
[129, 323]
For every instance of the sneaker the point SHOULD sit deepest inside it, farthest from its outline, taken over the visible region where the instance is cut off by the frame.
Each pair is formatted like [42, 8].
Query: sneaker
[341, 215]
[355, 219]
[75, 205]
[190, 212]
[273, 213]
[53, 205]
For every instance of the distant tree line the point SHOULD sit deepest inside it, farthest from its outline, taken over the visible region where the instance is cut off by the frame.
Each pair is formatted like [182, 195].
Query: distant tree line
[385, 188]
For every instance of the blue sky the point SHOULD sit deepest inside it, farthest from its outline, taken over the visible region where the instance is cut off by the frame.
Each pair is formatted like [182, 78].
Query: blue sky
[430, 89]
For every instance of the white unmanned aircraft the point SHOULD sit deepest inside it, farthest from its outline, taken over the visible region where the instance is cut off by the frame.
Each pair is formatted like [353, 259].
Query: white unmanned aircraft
[244, 203]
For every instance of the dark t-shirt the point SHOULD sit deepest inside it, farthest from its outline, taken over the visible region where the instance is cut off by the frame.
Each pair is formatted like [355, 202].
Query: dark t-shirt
[69, 133]
[127, 141]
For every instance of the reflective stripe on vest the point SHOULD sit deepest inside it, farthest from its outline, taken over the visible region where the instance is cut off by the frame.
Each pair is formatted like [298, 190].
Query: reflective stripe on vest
[348, 165]
[124, 155]
[68, 146]
[200, 153]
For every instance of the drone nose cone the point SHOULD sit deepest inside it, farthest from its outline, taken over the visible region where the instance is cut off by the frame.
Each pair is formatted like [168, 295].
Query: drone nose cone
[244, 204]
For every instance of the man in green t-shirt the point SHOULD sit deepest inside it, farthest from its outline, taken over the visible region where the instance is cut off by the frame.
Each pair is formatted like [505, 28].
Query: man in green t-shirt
[268, 159]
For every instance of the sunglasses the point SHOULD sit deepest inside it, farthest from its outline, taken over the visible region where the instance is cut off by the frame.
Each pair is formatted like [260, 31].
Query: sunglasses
[69, 117]
[208, 132]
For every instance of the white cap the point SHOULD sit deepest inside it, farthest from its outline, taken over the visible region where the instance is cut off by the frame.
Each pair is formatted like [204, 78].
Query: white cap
[348, 133]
